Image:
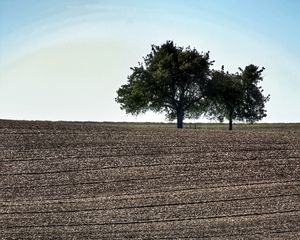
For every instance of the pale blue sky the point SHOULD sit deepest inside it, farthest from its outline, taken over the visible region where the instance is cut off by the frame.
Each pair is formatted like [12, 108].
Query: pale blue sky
[65, 59]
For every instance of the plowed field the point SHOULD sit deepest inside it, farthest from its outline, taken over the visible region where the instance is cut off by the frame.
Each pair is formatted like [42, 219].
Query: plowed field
[97, 181]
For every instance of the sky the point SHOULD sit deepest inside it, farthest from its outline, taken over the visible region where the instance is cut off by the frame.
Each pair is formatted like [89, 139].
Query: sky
[65, 59]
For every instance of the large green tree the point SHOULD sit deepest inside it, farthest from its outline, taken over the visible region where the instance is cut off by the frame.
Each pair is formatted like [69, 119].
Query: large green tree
[170, 79]
[237, 96]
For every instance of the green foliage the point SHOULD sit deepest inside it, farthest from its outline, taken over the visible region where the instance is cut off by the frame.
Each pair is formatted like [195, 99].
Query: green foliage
[225, 93]
[171, 79]
[253, 107]
[237, 96]
[178, 81]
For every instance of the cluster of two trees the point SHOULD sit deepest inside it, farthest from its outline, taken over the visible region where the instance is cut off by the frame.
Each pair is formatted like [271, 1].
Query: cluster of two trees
[180, 83]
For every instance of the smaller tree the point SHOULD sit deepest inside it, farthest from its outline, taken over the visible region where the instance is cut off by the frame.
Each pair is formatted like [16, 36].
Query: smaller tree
[237, 96]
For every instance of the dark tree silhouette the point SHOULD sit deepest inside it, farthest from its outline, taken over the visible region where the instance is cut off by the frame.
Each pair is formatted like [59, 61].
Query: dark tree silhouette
[237, 96]
[171, 79]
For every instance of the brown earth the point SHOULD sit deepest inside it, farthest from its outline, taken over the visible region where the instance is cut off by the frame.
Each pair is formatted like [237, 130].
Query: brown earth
[99, 181]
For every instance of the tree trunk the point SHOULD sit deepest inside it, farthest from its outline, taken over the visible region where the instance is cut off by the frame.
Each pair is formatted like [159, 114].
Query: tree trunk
[230, 124]
[180, 115]
[230, 121]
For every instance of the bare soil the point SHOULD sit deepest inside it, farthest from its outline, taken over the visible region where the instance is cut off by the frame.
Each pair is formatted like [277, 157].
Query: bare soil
[61, 180]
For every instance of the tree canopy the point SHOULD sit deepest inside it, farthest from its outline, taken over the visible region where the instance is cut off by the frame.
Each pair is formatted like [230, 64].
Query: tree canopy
[179, 82]
[171, 79]
[237, 96]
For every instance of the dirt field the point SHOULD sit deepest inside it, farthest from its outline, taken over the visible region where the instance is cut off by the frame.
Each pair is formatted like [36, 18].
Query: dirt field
[97, 181]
